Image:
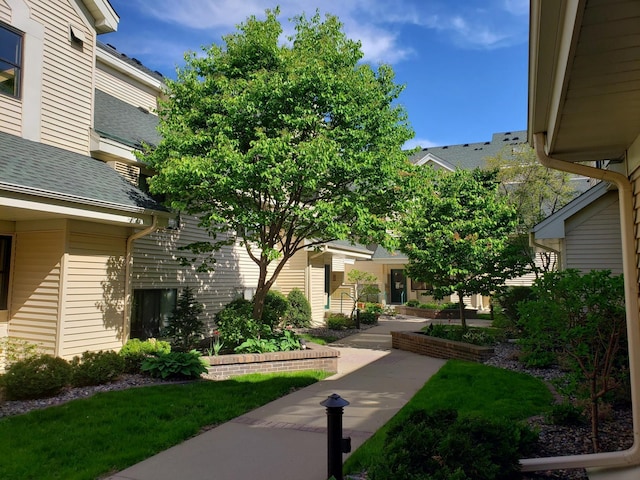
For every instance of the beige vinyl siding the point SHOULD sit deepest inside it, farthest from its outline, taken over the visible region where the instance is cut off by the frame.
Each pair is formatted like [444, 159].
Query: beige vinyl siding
[95, 292]
[155, 266]
[67, 84]
[316, 294]
[5, 12]
[124, 88]
[10, 115]
[35, 300]
[293, 273]
[592, 237]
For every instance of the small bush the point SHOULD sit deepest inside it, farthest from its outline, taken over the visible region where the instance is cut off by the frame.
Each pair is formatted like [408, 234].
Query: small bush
[299, 313]
[368, 318]
[96, 368]
[15, 349]
[442, 446]
[185, 365]
[236, 324]
[36, 377]
[277, 342]
[185, 328]
[135, 351]
[430, 306]
[567, 414]
[275, 308]
[339, 321]
[412, 303]
[510, 299]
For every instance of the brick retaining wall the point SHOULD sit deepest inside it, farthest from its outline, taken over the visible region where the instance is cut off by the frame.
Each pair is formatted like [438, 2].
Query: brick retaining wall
[315, 357]
[449, 314]
[439, 347]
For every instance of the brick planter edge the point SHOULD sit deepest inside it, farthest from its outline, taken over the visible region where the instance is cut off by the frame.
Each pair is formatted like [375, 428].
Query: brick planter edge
[439, 347]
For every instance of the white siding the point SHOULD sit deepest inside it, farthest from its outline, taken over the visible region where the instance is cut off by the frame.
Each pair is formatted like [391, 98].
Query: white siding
[95, 293]
[5, 12]
[36, 291]
[120, 86]
[155, 265]
[67, 84]
[293, 273]
[592, 237]
[316, 290]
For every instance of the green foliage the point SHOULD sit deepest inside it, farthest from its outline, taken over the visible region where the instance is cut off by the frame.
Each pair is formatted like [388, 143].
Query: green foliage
[299, 313]
[96, 368]
[365, 287]
[339, 321]
[187, 365]
[457, 234]
[293, 125]
[442, 446]
[235, 323]
[566, 414]
[373, 308]
[412, 303]
[36, 377]
[277, 342]
[14, 349]
[368, 318]
[580, 320]
[185, 328]
[135, 351]
[473, 335]
[509, 300]
[275, 308]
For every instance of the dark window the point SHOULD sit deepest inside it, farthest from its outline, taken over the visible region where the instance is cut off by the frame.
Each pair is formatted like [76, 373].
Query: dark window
[151, 311]
[10, 60]
[5, 265]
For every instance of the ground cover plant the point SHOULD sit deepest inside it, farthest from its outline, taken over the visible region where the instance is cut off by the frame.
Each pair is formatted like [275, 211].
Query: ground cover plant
[474, 335]
[88, 438]
[473, 391]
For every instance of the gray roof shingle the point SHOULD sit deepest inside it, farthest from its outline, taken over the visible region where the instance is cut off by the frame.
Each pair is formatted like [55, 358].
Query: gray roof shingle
[134, 62]
[46, 171]
[471, 155]
[123, 122]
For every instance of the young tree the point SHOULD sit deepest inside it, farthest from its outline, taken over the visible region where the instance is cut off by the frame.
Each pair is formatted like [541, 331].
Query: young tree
[286, 146]
[535, 191]
[456, 234]
[365, 284]
[185, 327]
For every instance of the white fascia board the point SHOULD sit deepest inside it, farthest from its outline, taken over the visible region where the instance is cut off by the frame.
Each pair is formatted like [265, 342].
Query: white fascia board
[76, 212]
[106, 18]
[430, 157]
[129, 70]
[347, 253]
[113, 149]
[391, 261]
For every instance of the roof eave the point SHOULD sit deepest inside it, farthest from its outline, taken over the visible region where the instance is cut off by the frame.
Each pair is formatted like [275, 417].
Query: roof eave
[106, 18]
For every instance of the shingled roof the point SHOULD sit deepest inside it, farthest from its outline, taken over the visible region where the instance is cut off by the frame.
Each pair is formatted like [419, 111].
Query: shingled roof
[121, 121]
[134, 62]
[50, 172]
[471, 155]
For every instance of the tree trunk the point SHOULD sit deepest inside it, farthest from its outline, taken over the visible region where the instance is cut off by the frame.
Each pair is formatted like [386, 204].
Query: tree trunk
[463, 320]
[595, 431]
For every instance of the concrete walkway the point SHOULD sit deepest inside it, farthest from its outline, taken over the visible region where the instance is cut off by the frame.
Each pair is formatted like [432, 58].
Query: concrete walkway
[286, 439]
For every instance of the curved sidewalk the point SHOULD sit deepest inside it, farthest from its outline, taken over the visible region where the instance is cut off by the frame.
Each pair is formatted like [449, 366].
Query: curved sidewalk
[286, 439]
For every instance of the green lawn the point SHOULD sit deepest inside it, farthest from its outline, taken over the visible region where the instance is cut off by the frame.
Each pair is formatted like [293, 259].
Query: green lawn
[471, 389]
[88, 438]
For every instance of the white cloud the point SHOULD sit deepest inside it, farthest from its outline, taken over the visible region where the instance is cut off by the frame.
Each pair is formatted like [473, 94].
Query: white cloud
[419, 142]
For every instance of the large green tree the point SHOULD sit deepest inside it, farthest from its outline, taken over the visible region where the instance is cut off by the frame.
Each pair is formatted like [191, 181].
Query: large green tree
[535, 191]
[285, 145]
[457, 234]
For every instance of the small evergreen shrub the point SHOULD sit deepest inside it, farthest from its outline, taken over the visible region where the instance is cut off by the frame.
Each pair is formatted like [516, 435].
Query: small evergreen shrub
[36, 377]
[567, 414]
[339, 321]
[135, 351]
[368, 318]
[510, 299]
[299, 313]
[185, 328]
[178, 365]
[96, 368]
[236, 324]
[442, 446]
[412, 303]
[275, 308]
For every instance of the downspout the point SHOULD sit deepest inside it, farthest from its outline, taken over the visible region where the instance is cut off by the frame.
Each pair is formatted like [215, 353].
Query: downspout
[126, 322]
[533, 243]
[631, 456]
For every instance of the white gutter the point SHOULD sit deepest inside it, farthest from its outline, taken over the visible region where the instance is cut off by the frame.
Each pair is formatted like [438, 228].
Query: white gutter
[535, 244]
[127, 274]
[632, 455]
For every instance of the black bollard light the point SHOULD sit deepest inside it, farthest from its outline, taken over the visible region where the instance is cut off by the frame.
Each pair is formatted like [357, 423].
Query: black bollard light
[336, 445]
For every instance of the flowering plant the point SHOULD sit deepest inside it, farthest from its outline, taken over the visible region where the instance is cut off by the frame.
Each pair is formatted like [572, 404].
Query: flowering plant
[216, 343]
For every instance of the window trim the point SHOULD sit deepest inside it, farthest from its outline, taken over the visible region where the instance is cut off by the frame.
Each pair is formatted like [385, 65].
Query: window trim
[18, 67]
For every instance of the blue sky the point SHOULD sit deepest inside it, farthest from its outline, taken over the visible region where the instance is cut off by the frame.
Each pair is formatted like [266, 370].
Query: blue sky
[463, 62]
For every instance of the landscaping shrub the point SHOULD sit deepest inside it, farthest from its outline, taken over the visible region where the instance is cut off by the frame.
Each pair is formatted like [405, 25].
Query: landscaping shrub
[339, 321]
[430, 306]
[299, 313]
[96, 368]
[185, 365]
[567, 414]
[442, 446]
[15, 349]
[236, 324]
[368, 318]
[412, 303]
[473, 335]
[275, 308]
[509, 300]
[276, 342]
[185, 328]
[135, 351]
[36, 377]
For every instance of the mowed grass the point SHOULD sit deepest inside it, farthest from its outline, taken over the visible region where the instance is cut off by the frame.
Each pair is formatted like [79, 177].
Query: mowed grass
[473, 390]
[88, 438]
